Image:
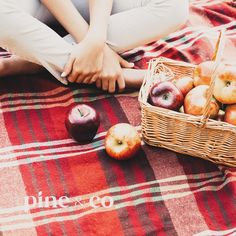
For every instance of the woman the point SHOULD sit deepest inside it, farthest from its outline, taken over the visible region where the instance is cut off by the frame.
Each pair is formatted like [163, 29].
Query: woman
[93, 57]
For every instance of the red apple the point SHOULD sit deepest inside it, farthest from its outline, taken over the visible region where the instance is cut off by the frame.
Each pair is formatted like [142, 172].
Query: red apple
[203, 72]
[230, 114]
[195, 101]
[166, 95]
[225, 84]
[82, 123]
[184, 84]
[122, 141]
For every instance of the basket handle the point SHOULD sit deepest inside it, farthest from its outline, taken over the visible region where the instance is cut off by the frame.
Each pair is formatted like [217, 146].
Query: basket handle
[143, 94]
[218, 54]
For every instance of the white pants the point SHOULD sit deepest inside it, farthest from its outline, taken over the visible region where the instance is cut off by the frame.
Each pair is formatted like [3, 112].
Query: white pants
[132, 23]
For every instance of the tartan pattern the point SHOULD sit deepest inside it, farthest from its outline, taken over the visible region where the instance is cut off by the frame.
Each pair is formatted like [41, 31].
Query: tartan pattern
[156, 193]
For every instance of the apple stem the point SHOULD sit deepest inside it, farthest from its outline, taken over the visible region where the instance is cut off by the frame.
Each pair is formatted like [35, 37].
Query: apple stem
[165, 96]
[119, 142]
[80, 112]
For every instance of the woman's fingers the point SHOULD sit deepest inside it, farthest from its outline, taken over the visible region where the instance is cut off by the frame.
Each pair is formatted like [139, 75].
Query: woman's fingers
[81, 77]
[93, 79]
[77, 75]
[112, 85]
[125, 64]
[98, 83]
[68, 68]
[108, 82]
[73, 76]
[87, 80]
[105, 84]
[121, 82]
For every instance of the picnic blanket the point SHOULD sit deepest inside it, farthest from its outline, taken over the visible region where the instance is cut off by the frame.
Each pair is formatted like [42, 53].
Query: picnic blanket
[159, 192]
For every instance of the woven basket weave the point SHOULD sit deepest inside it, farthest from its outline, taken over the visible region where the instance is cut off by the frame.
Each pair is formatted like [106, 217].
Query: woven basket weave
[196, 136]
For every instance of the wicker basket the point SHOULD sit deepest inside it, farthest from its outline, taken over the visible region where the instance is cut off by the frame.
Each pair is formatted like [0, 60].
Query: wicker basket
[196, 136]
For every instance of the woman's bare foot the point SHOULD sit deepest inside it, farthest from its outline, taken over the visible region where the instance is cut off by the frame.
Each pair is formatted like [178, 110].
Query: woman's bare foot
[133, 77]
[14, 65]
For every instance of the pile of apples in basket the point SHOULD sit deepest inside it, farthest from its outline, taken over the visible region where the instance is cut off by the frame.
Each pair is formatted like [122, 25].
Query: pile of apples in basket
[189, 95]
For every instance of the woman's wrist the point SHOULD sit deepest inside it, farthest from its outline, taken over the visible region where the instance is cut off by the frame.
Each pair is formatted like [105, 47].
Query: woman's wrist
[97, 37]
[96, 43]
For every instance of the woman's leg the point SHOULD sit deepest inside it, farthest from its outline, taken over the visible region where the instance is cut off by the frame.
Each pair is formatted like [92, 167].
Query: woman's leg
[30, 39]
[15, 65]
[147, 21]
[133, 23]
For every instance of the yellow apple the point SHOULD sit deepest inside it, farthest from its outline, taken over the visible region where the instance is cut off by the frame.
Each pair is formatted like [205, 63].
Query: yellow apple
[122, 141]
[225, 84]
[195, 101]
[203, 72]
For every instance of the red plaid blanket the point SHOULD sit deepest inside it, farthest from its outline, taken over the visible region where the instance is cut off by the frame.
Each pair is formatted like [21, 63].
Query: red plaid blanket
[157, 193]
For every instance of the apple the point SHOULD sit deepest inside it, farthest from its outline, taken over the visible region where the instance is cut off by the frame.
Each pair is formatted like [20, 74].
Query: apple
[166, 95]
[122, 141]
[225, 84]
[184, 84]
[82, 123]
[203, 72]
[196, 99]
[230, 114]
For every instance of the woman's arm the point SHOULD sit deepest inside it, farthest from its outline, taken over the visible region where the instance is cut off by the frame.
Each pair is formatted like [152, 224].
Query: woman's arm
[100, 11]
[66, 13]
[75, 24]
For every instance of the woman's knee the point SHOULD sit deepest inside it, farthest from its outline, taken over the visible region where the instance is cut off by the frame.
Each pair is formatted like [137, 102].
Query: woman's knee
[181, 12]
[174, 13]
[7, 26]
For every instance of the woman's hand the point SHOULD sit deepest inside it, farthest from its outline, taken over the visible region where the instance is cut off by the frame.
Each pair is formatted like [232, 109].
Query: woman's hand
[85, 62]
[111, 74]
[90, 62]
